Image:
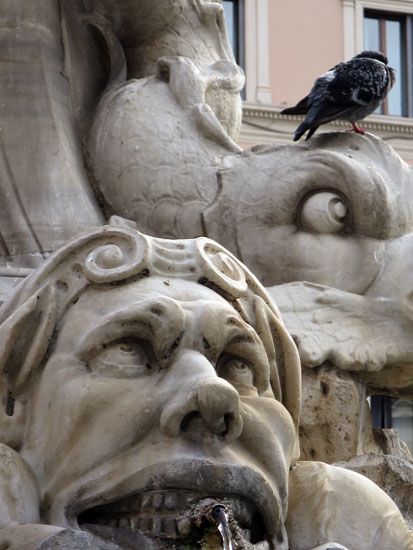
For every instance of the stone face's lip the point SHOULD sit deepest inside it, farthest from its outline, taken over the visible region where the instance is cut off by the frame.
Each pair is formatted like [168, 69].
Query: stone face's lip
[203, 477]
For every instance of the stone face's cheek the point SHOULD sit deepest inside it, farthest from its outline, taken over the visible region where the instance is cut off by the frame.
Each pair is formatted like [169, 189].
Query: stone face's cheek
[84, 418]
[269, 433]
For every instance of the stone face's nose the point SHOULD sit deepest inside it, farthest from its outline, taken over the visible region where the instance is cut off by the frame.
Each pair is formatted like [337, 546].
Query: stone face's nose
[204, 404]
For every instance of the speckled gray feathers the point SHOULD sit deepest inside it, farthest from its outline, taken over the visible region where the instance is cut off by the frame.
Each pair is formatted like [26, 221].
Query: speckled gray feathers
[349, 91]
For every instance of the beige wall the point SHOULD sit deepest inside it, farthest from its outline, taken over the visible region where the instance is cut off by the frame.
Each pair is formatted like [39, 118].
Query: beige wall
[306, 39]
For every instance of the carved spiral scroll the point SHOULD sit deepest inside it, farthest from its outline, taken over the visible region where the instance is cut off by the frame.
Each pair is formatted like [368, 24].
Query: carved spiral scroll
[221, 269]
[123, 256]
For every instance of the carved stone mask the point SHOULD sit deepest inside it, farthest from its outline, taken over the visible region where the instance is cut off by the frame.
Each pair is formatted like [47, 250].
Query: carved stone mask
[153, 374]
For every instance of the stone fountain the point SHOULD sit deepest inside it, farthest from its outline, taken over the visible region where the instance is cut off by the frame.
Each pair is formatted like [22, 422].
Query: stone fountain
[152, 379]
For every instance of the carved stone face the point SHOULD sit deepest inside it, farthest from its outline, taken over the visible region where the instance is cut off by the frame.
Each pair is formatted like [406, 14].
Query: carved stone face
[157, 395]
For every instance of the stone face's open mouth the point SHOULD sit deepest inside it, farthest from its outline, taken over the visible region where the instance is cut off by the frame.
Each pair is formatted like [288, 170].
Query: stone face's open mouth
[167, 515]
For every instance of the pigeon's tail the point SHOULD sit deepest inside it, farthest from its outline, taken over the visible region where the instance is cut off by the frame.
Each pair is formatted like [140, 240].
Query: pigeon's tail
[300, 109]
[301, 130]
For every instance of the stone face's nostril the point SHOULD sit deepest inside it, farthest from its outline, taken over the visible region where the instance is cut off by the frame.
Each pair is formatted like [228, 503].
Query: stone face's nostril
[204, 406]
[194, 426]
[189, 420]
[212, 409]
[219, 407]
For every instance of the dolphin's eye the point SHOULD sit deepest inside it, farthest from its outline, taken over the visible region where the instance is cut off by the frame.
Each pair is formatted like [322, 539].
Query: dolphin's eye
[324, 212]
[124, 359]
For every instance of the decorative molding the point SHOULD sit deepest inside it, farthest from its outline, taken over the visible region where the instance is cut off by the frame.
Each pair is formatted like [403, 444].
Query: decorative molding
[264, 124]
[257, 55]
[384, 123]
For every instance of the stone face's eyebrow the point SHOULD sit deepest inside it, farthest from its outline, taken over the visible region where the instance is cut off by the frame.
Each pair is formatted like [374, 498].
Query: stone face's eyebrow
[158, 321]
[217, 327]
[222, 332]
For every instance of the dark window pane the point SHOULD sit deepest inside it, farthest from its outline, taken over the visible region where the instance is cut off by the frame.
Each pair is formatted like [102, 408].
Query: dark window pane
[371, 34]
[402, 418]
[381, 410]
[394, 54]
[230, 16]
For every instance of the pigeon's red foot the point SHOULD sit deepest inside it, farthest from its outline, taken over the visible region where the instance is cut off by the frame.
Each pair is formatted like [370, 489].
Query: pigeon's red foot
[356, 129]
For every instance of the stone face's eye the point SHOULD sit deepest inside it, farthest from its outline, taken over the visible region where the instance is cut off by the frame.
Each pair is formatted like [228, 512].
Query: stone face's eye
[324, 212]
[123, 359]
[238, 372]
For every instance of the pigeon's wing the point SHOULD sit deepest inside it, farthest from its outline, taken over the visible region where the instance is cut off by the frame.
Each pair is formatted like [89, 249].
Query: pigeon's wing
[330, 97]
[327, 110]
[357, 83]
[361, 81]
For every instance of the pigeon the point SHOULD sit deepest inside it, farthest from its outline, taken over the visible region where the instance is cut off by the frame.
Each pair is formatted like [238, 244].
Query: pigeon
[349, 91]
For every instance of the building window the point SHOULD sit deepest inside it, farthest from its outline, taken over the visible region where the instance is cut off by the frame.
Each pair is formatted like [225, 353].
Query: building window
[234, 15]
[394, 413]
[402, 420]
[392, 34]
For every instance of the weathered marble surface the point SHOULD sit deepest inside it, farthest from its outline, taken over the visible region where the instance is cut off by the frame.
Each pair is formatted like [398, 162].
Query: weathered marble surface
[182, 384]
[133, 108]
[159, 112]
[168, 388]
[59, 59]
[339, 511]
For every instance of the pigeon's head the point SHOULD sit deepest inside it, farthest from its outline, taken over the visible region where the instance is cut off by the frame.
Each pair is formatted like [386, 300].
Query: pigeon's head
[369, 54]
[379, 56]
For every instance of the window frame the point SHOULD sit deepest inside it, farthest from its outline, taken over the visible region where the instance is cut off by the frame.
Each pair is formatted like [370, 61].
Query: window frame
[381, 407]
[406, 22]
[353, 23]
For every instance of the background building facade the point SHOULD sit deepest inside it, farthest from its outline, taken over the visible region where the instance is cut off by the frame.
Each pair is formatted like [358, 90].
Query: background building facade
[283, 46]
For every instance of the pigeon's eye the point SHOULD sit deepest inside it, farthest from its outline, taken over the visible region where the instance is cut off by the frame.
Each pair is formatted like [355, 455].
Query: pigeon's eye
[324, 212]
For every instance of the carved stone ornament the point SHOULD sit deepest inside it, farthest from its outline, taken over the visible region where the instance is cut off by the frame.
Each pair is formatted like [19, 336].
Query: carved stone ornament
[181, 385]
[150, 392]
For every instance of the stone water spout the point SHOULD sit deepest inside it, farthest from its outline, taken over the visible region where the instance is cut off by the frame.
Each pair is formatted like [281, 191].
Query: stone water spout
[220, 517]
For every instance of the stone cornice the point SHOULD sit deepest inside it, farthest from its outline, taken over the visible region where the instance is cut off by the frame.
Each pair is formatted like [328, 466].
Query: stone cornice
[374, 123]
[265, 124]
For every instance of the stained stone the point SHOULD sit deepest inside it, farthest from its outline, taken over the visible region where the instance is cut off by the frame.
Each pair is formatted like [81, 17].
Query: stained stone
[147, 375]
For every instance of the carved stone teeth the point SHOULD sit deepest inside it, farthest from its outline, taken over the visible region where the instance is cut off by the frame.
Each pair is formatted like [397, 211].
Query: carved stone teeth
[156, 526]
[171, 501]
[183, 526]
[169, 528]
[135, 524]
[146, 502]
[157, 501]
[164, 513]
[161, 527]
[145, 525]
